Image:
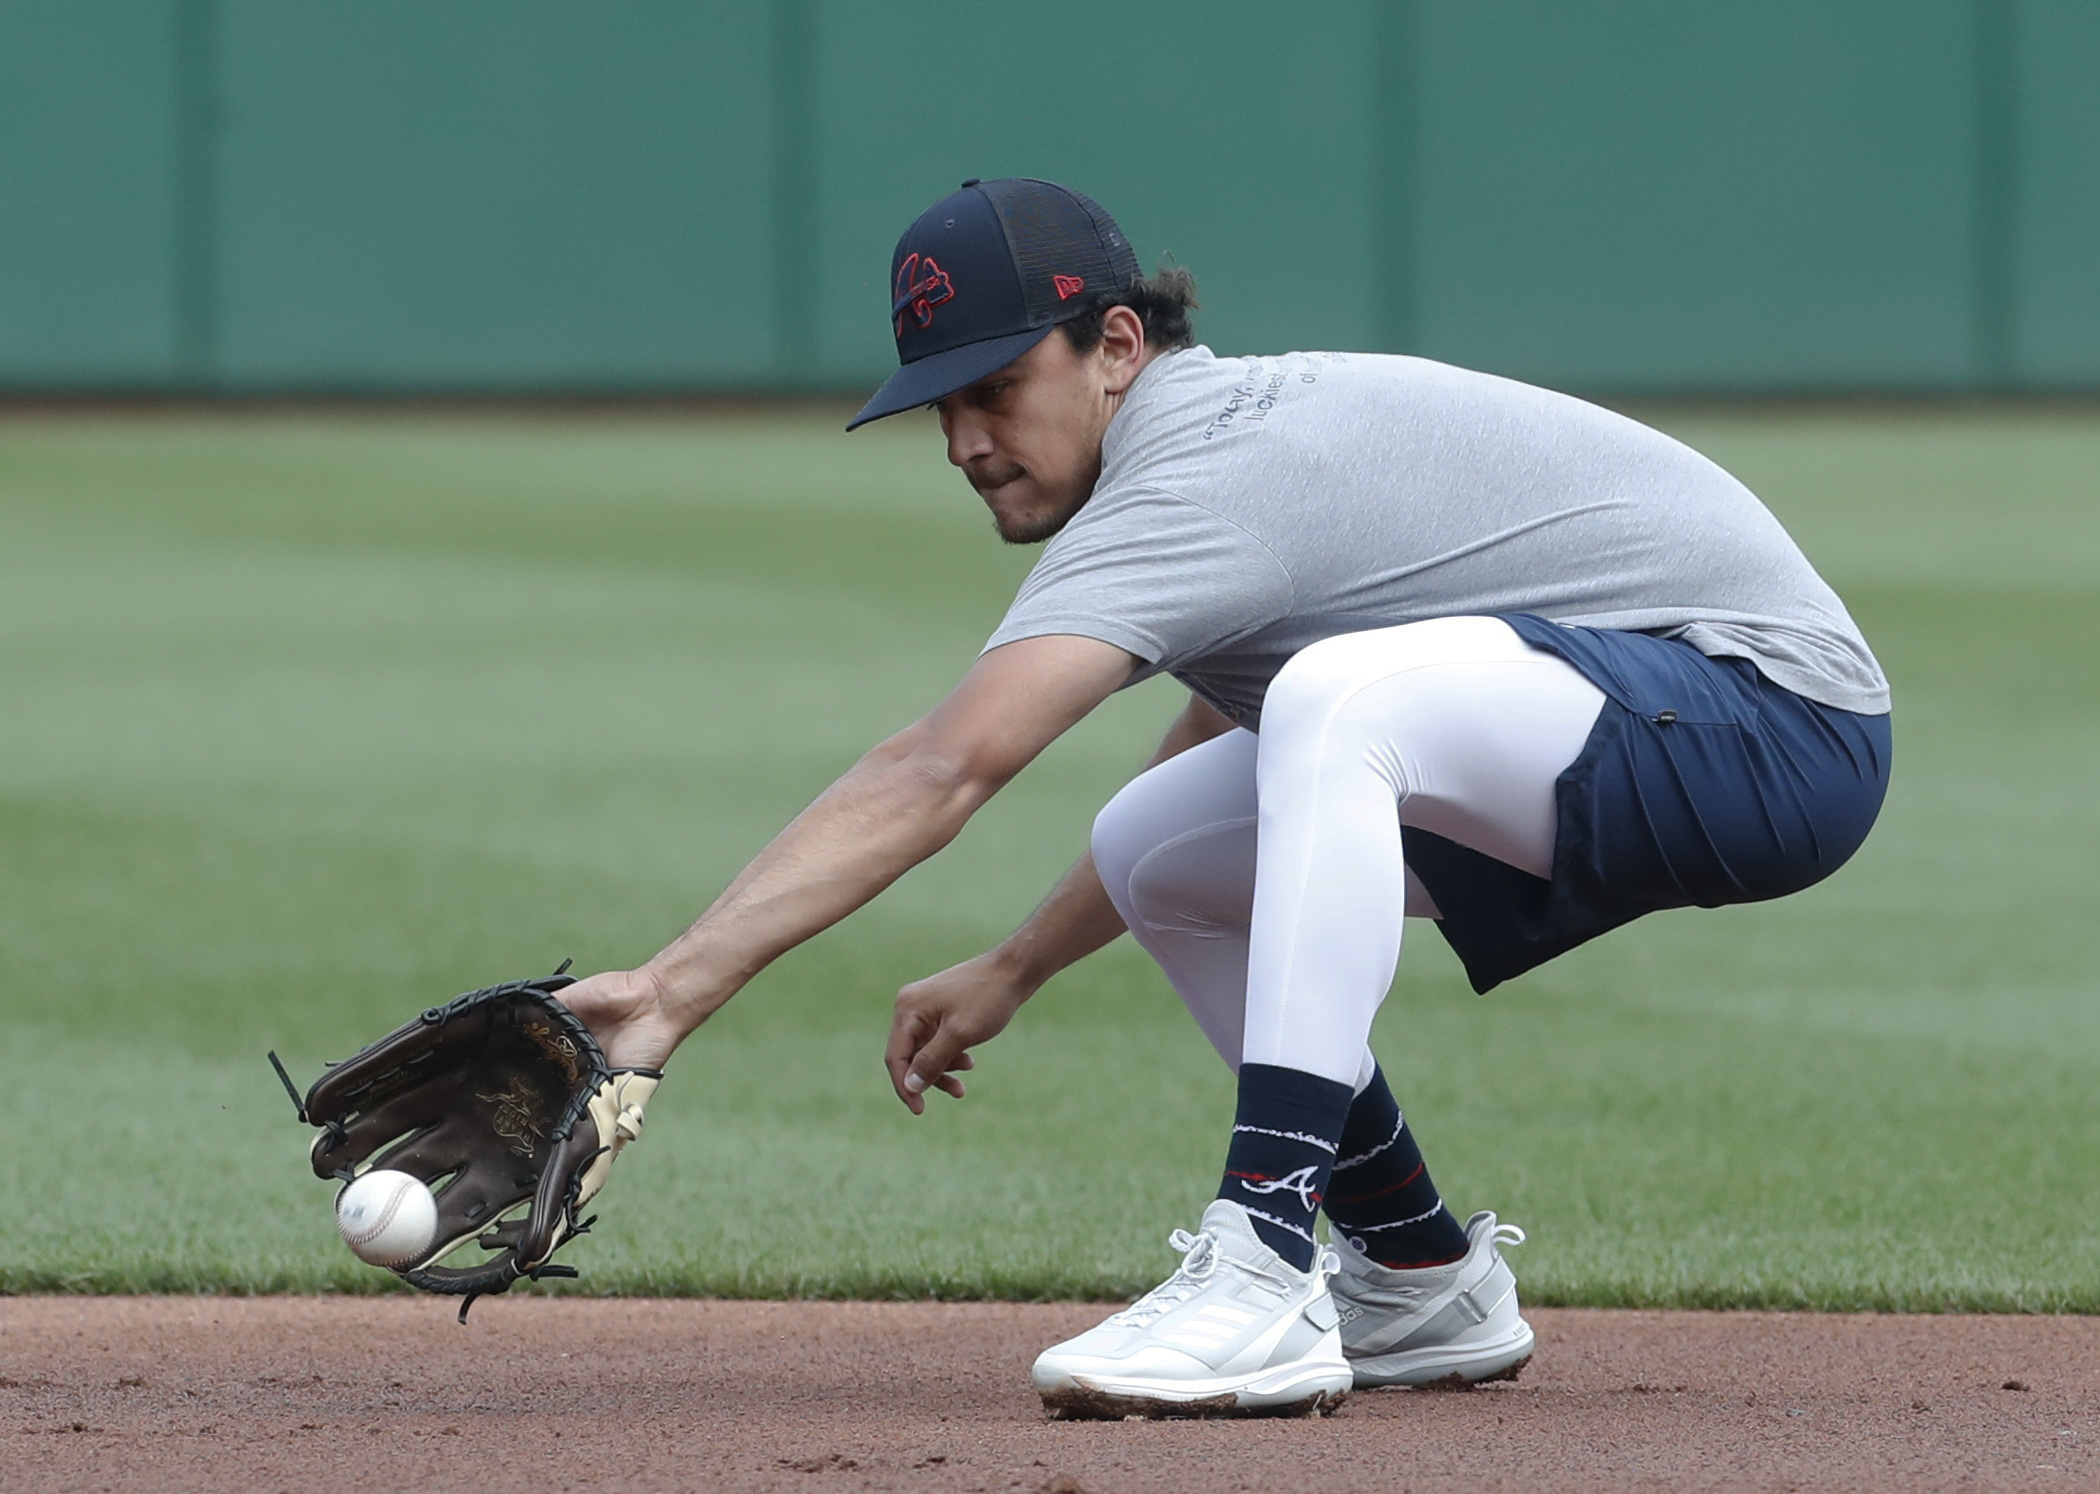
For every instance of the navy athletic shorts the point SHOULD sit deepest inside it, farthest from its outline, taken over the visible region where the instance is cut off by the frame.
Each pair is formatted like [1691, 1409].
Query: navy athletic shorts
[1702, 784]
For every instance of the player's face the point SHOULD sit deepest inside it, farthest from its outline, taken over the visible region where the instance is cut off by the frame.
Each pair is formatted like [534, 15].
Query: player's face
[1028, 437]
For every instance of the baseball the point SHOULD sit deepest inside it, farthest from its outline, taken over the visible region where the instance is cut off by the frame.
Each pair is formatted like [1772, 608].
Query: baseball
[387, 1218]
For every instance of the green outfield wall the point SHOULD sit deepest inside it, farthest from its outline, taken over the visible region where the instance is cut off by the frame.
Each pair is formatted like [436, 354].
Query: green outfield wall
[1620, 195]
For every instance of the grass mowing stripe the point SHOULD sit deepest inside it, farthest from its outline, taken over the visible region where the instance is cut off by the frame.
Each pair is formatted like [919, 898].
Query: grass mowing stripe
[314, 720]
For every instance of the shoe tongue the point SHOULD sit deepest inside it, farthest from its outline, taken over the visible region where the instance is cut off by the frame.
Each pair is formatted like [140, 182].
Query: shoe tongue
[1234, 1232]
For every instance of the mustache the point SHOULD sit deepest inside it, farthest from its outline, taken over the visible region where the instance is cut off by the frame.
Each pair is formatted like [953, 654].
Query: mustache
[988, 478]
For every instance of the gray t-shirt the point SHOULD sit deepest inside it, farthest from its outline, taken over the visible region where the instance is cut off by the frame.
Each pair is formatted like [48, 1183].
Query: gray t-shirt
[1248, 507]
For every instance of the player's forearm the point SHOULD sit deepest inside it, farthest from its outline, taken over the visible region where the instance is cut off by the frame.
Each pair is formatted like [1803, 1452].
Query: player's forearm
[894, 808]
[891, 811]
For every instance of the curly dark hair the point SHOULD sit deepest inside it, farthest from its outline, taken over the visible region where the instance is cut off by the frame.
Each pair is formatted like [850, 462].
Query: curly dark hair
[1163, 304]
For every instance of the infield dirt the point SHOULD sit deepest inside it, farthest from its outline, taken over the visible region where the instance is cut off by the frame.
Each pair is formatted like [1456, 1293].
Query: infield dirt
[201, 1393]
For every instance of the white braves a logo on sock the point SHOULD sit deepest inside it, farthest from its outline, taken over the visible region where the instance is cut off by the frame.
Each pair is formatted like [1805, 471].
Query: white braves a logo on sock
[1299, 1182]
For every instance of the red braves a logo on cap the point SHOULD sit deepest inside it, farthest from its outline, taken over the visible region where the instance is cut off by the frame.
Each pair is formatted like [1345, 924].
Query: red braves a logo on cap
[921, 286]
[1067, 286]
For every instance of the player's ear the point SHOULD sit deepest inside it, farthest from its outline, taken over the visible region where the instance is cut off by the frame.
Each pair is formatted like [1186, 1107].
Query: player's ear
[1122, 347]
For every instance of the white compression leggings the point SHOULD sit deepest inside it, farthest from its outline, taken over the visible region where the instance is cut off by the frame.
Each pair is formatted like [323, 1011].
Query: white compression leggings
[1265, 873]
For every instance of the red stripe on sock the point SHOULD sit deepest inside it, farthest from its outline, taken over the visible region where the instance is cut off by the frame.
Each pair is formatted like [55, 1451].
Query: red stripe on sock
[1406, 1182]
[1418, 1265]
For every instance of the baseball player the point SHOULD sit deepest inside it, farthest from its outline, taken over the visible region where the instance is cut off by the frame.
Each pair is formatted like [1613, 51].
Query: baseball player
[1457, 649]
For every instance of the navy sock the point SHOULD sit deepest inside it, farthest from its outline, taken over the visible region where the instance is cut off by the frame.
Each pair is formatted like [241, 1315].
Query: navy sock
[1284, 1139]
[1381, 1198]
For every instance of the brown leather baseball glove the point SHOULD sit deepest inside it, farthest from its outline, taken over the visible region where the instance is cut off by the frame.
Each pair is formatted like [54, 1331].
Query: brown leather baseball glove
[502, 1103]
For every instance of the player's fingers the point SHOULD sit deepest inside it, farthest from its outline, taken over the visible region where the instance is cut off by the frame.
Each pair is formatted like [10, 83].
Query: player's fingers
[947, 1083]
[962, 1063]
[898, 1063]
[904, 1041]
[929, 1068]
[907, 1034]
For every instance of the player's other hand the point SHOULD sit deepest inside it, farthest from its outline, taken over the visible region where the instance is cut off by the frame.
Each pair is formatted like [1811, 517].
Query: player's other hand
[624, 1010]
[939, 1019]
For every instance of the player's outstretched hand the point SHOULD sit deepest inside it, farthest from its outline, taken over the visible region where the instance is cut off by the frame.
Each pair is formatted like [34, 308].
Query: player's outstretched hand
[939, 1019]
[624, 1010]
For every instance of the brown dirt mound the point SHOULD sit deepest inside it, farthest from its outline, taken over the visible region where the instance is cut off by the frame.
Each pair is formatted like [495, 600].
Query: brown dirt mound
[387, 1394]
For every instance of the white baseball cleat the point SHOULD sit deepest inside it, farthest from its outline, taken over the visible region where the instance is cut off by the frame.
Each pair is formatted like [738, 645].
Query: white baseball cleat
[1236, 1330]
[1455, 1324]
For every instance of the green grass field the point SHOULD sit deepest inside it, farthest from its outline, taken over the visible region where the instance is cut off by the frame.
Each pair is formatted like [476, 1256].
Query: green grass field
[311, 721]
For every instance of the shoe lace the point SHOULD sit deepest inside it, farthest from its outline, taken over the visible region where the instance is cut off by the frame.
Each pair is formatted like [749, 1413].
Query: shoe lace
[1506, 1234]
[1199, 1261]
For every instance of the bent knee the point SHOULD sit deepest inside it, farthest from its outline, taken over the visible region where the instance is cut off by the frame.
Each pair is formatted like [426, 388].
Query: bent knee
[1201, 881]
[1119, 840]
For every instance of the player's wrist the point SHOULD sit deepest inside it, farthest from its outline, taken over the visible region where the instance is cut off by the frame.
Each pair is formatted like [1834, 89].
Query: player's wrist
[682, 991]
[1019, 967]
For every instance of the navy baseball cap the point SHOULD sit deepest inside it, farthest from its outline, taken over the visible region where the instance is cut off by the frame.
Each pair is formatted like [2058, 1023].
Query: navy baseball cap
[983, 276]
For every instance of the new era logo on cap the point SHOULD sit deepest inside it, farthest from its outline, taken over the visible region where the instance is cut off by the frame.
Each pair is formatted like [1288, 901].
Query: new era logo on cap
[982, 277]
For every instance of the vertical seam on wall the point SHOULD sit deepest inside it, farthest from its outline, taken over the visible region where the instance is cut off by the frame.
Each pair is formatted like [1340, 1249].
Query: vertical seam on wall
[1994, 231]
[1396, 173]
[794, 204]
[194, 234]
